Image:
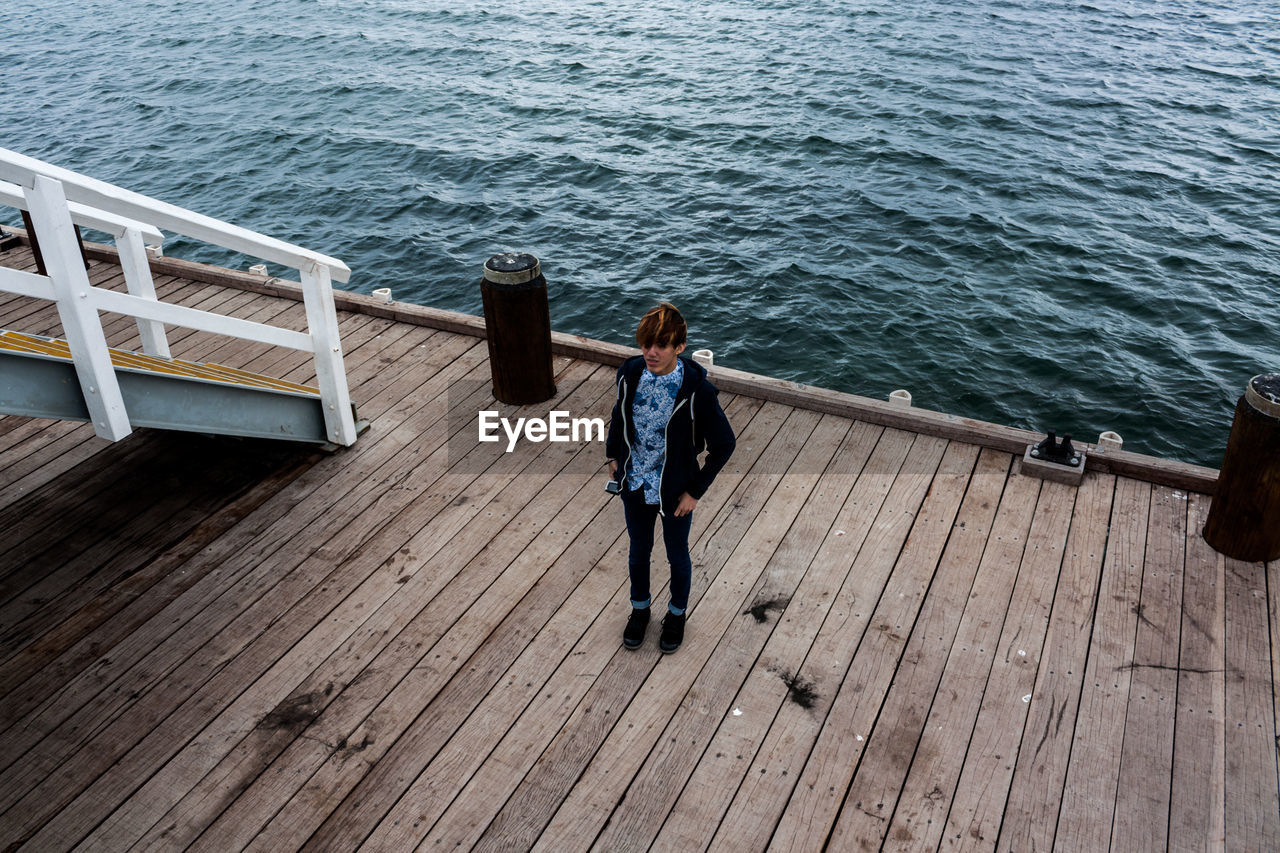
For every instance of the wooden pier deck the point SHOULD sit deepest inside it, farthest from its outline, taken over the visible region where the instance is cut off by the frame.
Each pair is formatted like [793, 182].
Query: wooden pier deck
[896, 640]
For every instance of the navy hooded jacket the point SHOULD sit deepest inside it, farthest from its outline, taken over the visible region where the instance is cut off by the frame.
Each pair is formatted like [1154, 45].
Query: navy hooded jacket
[696, 422]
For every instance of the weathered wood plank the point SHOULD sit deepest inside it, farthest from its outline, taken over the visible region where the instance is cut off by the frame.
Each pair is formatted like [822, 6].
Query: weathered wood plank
[64, 629]
[704, 800]
[232, 654]
[604, 794]
[1146, 761]
[794, 788]
[435, 592]
[730, 516]
[1252, 798]
[982, 792]
[23, 435]
[1031, 810]
[139, 522]
[360, 813]
[386, 393]
[438, 784]
[930, 709]
[52, 560]
[25, 531]
[457, 497]
[795, 571]
[61, 502]
[254, 567]
[1197, 815]
[1088, 800]
[137, 697]
[708, 557]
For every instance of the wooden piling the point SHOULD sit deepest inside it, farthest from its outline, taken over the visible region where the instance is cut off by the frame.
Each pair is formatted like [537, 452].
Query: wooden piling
[35, 244]
[1244, 521]
[517, 324]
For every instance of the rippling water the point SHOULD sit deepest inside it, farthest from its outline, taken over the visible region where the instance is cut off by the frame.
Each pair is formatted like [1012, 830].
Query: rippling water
[1042, 213]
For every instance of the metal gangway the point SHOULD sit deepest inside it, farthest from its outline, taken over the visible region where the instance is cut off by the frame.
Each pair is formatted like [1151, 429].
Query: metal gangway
[82, 378]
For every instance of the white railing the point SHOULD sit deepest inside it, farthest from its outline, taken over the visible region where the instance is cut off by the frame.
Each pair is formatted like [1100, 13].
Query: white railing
[57, 199]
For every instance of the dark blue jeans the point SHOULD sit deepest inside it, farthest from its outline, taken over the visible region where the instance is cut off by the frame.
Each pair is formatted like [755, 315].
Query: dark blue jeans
[675, 535]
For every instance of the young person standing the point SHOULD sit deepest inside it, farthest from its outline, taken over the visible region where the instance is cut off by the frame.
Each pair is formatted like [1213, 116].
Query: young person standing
[665, 415]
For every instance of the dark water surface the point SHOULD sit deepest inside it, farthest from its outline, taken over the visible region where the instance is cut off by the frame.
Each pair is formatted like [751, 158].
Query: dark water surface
[1047, 214]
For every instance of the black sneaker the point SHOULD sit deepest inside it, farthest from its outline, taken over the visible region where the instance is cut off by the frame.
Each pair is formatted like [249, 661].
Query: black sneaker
[637, 622]
[672, 633]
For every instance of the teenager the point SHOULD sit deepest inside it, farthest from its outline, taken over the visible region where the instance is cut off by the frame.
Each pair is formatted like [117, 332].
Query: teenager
[665, 415]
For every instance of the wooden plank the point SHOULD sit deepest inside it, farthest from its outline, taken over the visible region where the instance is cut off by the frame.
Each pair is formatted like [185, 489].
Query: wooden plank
[795, 571]
[1273, 609]
[431, 521]
[364, 816]
[23, 530]
[1035, 793]
[435, 589]
[68, 616]
[1146, 762]
[1197, 817]
[929, 711]
[137, 523]
[52, 673]
[20, 431]
[467, 751]
[61, 447]
[211, 652]
[371, 378]
[75, 630]
[354, 332]
[1251, 795]
[787, 785]
[982, 791]
[444, 690]
[311, 587]
[770, 570]
[775, 677]
[732, 559]
[1089, 796]
[485, 685]
[124, 509]
[253, 567]
[96, 644]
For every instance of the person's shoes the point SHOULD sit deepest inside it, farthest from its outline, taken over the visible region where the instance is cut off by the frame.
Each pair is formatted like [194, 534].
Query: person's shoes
[637, 622]
[672, 633]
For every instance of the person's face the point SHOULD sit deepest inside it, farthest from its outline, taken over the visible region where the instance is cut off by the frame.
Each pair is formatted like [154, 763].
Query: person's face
[661, 360]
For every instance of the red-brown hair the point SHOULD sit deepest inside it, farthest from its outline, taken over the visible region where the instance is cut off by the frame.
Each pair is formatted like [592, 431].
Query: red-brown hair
[663, 326]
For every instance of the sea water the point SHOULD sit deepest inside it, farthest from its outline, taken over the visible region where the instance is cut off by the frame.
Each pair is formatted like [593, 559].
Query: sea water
[1050, 214]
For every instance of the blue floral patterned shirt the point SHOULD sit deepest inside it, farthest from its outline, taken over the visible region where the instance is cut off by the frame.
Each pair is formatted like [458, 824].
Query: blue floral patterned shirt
[655, 400]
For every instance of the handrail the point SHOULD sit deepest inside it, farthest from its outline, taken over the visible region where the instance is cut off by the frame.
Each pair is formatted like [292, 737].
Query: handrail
[58, 198]
[21, 169]
[11, 195]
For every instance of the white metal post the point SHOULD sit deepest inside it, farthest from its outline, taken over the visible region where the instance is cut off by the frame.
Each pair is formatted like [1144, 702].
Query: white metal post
[80, 322]
[331, 375]
[137, 275]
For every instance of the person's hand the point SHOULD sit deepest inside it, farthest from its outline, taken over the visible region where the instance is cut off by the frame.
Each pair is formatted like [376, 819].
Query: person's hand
[686, 505]
[613, 469]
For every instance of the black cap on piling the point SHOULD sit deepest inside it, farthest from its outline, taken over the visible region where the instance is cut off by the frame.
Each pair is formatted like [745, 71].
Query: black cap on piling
[512, 268]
